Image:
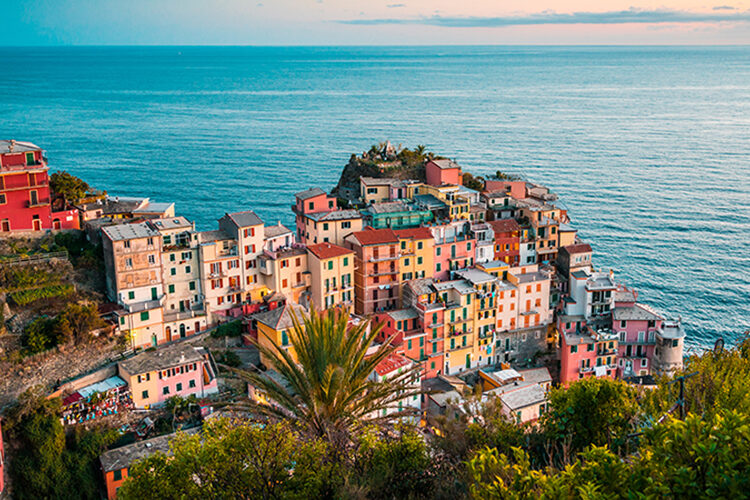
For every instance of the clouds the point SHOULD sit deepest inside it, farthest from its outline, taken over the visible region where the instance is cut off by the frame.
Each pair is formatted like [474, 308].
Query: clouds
[724, 7]
[632, 15]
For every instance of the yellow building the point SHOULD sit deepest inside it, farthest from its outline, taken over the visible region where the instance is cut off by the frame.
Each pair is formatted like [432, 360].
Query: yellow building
[331, 275]
[456, 199]
[485, 311]
[285, 271]
[417, 248]
[459, 298]
[331, 227]
[275, 327]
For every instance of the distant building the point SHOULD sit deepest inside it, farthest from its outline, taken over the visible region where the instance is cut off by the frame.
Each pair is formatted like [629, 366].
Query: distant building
[275, 328]
[376, 270]
[586, 350]
[175, 370]
[507, 240]
[25, 203]
[439, 172]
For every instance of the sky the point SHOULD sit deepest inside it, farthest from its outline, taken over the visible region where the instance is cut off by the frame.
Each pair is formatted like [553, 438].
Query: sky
[372, 22]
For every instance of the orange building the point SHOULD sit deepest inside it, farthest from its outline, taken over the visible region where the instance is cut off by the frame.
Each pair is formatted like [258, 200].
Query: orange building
[376, 270]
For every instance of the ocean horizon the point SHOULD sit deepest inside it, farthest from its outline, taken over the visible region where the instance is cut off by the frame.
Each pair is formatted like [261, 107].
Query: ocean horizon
[647, 146]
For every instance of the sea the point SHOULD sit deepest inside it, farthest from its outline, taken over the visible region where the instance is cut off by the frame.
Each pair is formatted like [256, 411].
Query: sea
[649, 147]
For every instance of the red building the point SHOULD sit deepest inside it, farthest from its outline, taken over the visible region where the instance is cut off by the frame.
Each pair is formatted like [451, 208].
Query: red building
[507, 240]
[24, 191]
[439, 172]
[311, 201]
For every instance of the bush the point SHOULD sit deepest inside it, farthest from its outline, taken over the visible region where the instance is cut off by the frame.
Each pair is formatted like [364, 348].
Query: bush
[229, 358]
[231, 329]
[25, 297]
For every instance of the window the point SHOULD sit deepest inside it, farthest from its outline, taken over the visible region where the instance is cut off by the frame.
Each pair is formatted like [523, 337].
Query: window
[165, 391]
[173, 271]
[468, 246]
[346, 225]
[151, 259]
[117, 475]
[437, 251]
[2, 199]
[187, 269]
[144, 316]
[191, 384]
[128, 262]
[346, 261]
[179, 386]
[144, 395]
[419, 261]
[126, 244]
[284, 338]
[437, 267]
[311, 205]
[573, 349]
[330, 265]
[150, 242]
[171, 288]
[284, 283]
[325, 226]
[122, 320]
[172, 257]
[131, 295]
[623, 323]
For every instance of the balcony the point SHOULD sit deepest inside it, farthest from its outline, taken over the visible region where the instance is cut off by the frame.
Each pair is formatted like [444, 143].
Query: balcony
[384, 258]
[37, 204]
[606, 352]
[384, 272]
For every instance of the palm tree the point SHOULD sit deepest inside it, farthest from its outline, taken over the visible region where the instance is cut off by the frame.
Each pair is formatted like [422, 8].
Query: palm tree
[329, 390]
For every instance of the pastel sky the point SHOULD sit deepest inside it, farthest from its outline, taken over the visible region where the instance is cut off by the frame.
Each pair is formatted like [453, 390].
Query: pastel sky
[372, 22]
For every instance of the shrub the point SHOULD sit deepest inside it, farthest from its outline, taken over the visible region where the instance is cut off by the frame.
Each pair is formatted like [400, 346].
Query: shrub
[25, 297]
[231, 329]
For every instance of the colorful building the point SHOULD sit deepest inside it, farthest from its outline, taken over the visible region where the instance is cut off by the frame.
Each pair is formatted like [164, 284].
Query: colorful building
[417, 248]
[25, 201]
[376, 270]
[310, 201]
[331, 272]
[444, 171]
[459, 299]
[184, 313]
[175, 370]
[275, 328]
[507, 236]
[285, 271]
[132, 260]
[393, 367]
[396, 215]
[421, 296]
[586, 349]
[454, 248]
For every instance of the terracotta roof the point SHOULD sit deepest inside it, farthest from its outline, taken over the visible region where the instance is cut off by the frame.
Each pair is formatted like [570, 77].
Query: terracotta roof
[372, 236]
[504, 225]
[328, 250]
[415, 233]
[392, 363]
[578, 248]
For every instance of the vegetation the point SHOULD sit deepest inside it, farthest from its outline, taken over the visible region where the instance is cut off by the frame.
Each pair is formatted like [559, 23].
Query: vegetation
[471, 182]
[70, 187]
[73, 324]
[46, 463]
[506, 177]
[229, 358]
[230, 329]
[329, 391]
[25, 297]
[600, 439]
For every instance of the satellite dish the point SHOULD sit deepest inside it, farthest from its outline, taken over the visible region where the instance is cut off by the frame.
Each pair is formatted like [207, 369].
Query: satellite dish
[719, 345]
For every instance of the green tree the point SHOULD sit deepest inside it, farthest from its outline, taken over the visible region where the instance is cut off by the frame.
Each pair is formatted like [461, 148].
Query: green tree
[471, 182]
[394, 467]
[80, 320]
[70, 187]
[329, 390]
[232, 459]
[591, 411]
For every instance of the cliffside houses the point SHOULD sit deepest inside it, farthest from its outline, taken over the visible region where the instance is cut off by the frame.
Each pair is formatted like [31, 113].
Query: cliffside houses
[465, 280]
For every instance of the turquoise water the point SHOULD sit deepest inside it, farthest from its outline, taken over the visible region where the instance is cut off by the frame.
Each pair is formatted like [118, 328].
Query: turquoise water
[648, 147]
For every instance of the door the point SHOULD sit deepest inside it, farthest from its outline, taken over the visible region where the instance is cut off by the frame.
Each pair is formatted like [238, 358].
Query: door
[468, 361]
[5, 226]
[30, 159]
[153, 294]
[197, 327]
[37, 223]
[169, 334]
[182, 331]
[56, 224]
[153, 340]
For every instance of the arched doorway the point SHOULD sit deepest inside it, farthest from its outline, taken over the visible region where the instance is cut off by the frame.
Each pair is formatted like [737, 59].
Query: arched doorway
[169, 334]
[182, 330]
[56, 224]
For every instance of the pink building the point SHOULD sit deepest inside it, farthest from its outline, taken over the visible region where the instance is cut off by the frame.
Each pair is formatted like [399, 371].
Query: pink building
[439, 172]
[176, 370]
[515, 189]
[311, 201]
[455, 248]
[586, 350]
[636, 326]
[377, 277]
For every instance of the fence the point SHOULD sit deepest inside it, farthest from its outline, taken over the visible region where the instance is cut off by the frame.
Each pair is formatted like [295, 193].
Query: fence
[41, 257]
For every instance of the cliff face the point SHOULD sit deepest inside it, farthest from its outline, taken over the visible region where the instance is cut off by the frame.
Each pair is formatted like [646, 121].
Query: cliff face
[348, 185]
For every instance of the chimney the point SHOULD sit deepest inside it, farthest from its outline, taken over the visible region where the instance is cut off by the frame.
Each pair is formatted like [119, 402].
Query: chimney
[12, 145]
